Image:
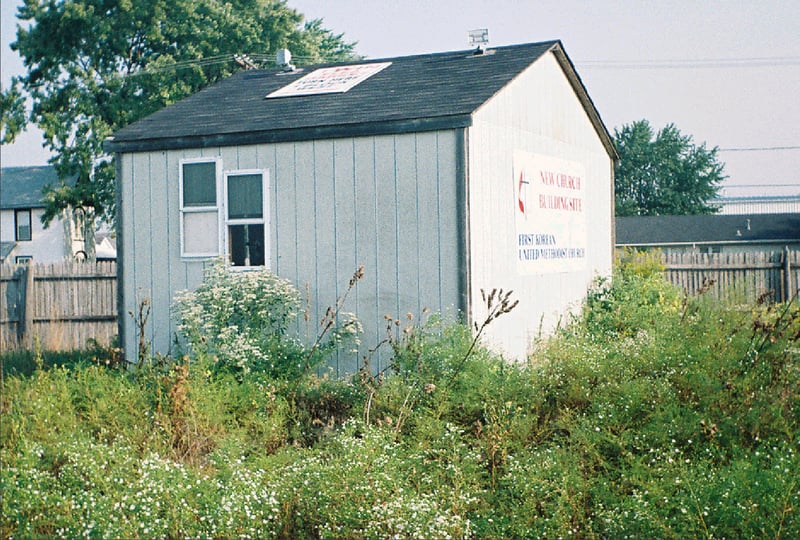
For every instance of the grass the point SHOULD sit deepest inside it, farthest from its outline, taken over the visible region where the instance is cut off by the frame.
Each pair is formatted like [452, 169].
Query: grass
[650, 415]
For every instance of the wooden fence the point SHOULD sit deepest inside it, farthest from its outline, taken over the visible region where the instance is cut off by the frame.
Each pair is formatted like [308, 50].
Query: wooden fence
[67, 304]
[739, 277]
[64, 305]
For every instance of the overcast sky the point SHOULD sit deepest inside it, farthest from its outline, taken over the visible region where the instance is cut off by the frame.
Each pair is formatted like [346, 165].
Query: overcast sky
[725, 72]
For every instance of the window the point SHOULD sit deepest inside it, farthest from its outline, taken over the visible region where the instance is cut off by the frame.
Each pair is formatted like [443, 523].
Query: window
[22, 223]
[245, 218]
[200, 235]
[23, 259]
[224, 213]
[79, 224]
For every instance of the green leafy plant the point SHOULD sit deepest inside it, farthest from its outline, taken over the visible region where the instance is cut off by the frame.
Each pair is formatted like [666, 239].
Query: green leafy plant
[639, 419]
[242, 321]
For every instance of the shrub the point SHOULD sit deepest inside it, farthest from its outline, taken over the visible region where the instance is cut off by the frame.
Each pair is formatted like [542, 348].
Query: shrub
[242, 321]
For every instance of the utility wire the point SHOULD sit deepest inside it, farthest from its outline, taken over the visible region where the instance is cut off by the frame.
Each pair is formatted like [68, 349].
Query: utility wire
[260, 58]
[694, 64]
[738, 186]
[759, 149]
[269, 60]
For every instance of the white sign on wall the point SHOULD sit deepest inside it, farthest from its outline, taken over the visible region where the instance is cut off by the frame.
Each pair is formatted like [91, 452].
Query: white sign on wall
[550, 210]
[330, 80]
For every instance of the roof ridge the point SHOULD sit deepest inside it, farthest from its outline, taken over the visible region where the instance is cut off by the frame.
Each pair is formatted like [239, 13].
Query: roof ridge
[406, 57]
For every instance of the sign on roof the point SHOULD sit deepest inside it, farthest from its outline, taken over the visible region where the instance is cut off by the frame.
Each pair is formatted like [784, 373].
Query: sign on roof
[331, 80]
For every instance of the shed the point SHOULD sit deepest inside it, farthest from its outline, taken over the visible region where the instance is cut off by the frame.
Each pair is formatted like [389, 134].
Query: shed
[443, 174]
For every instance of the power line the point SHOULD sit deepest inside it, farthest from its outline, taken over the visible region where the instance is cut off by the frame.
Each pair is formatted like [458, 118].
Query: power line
[260, 58]
[699, 63]
[738, 186]
[759, 149]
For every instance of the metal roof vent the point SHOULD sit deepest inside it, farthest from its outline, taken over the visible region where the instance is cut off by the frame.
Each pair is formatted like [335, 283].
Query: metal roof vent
[284, 60]
[479, 38]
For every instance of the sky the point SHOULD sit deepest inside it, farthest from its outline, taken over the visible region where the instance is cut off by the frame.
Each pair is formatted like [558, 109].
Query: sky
[725, 72]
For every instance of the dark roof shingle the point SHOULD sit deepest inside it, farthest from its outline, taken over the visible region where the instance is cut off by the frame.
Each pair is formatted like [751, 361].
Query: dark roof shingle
[420, 92]
[707, 229]
[21, 187]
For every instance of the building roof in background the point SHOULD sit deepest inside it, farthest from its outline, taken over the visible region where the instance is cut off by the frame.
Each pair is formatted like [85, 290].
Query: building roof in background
[647, 231]
[5, 250]
[21, 187]
[412, 93]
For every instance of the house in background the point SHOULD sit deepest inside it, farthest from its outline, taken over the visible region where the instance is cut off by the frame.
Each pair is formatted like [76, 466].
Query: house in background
[21, 207]
[710, 233]
[443, 174]
[22, 234]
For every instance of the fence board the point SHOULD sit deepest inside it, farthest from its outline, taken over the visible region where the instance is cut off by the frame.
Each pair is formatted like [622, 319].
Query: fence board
[67, 304]
[741, 277]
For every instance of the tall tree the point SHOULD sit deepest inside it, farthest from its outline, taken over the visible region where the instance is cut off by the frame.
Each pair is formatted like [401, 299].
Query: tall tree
[94, 66]
[664, 173]
[12, 114]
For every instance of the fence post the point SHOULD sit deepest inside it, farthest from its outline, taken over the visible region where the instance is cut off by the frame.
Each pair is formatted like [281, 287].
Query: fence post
[27, 307]
[788, 294]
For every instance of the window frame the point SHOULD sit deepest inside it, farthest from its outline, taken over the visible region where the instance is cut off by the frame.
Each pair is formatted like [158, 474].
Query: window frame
[17, 213]
[216, 209]
[263, 220]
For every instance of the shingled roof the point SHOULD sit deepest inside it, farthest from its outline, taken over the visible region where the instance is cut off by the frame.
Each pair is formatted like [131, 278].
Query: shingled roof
[414, 93]
[22, 187]
[647, 231]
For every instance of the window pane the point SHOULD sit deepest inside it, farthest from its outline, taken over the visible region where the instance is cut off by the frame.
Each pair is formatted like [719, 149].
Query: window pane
[200, 233]
[23, 218]
[245, 198]
[200, 184]
[246, 245]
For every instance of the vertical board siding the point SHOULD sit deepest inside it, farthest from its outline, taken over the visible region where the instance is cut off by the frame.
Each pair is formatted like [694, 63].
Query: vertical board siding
[429, 219]
[386, 209]
[176, 276]
[160, 242]
[284, 215]
[386, 202]
[365, 243]
[128, 285]
[447, 232]
[345, 237]
[327, 280]
[408, 228]
[305, 233]
[143, 238]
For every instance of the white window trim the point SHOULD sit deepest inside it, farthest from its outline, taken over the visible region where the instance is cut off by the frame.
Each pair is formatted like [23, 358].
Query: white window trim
[264, 220]
[202, 209]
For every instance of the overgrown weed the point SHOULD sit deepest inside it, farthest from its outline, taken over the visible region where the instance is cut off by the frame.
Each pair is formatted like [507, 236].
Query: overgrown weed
[651, 414]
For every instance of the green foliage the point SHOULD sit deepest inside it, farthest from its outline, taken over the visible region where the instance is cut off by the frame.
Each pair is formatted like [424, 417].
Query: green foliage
[12, 114]
[94, 66]
[652, 415]
[645, 263]
[663, 173]
[241, 321]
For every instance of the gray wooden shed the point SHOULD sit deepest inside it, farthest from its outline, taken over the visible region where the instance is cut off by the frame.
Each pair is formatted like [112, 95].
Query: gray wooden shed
[443, 174]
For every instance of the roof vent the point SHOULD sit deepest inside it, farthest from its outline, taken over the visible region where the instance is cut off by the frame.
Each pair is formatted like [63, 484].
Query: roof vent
[479, 38]
[284, 58]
